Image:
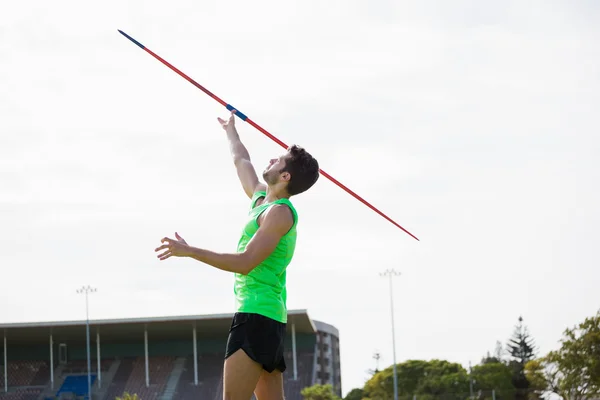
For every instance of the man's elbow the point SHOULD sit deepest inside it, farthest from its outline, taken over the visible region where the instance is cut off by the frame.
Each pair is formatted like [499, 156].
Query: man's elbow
[239, 160]
[247, 264]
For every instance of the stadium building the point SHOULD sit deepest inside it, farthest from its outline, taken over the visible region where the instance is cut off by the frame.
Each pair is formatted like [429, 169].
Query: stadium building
[160, 358]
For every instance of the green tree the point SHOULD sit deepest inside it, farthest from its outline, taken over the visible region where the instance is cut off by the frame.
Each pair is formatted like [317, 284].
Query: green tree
[521, 346]
[426, 379]
[488, 359]
[493, 376]
[497, 357]
[445, 380]
[536, 376]
[499, 351]
[521, 350]
[127, 396]
[319, 392]
[573, 371]
[354, 394]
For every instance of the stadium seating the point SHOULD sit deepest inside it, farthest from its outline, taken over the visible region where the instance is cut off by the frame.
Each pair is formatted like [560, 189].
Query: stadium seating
[117, 387]
[76, 384]
[80, 366]
[26, 373]
[22, 394]
[131, 377]
[210, 370]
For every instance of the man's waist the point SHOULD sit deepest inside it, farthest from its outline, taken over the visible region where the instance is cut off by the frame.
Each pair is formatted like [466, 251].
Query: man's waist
[276, 312]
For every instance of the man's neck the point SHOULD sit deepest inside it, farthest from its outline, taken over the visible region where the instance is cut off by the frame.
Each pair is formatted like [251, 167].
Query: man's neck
[273, 195]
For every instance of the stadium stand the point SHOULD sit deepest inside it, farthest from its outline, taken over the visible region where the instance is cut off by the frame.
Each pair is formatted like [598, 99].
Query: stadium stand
[164, 344]
[121, 378]
[75, 384]
[210, 372]
[22, 394]
[27, 373]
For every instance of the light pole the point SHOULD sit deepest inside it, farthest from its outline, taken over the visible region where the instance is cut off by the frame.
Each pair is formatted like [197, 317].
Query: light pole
[390, 273]
[87, 290]
[470, 380]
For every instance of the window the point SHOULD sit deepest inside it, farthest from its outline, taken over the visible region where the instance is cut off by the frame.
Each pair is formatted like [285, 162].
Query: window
[62, 353]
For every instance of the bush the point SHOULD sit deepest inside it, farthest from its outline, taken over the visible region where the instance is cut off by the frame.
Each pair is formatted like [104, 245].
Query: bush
[127, 396]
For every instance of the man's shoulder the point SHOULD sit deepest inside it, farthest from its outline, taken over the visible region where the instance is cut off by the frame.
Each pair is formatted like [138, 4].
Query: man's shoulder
[281, 212]
[256, 196]
[280, 216]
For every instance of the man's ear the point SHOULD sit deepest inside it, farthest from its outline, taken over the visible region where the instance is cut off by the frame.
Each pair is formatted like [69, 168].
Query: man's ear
[286, 176]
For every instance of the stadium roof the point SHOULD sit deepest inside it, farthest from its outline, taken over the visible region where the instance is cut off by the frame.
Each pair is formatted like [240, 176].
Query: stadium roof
[170, 327]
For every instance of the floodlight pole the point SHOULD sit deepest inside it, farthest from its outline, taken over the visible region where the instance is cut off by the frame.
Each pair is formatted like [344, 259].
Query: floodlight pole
[391, 273]
[86, 290]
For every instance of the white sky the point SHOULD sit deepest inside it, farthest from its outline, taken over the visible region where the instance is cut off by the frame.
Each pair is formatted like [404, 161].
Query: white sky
[473, 124]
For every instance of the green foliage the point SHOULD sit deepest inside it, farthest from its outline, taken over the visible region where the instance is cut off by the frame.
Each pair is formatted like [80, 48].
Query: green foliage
[536, 376]
[521, 349]
[521, 346]
[573, 371]
[426, 379]
[127, 396]
[492, 376]
[319, 392]
[354, 394]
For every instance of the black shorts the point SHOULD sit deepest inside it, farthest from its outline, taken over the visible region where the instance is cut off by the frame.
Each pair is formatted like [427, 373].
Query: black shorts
[261, 338]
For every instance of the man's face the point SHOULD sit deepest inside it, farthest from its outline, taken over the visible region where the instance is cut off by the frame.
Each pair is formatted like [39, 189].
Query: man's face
[271, 173]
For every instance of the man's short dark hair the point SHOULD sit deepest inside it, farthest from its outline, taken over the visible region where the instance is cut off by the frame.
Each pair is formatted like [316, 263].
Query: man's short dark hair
[303, 168]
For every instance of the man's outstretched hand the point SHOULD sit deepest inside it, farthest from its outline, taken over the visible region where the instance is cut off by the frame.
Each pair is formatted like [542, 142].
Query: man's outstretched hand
[230, 123]
[172, 247]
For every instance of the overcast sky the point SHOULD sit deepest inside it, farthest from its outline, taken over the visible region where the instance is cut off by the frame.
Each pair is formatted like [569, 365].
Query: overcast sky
[473, 124]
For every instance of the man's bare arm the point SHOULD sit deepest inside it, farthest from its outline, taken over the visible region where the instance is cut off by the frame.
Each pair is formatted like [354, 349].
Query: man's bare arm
[241, 158]
[277, 222]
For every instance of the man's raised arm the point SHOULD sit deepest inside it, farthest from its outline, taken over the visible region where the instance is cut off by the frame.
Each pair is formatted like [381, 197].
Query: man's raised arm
[241, 158]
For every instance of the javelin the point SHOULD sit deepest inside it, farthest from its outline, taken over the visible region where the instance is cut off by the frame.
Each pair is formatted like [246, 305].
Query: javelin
[243, 117]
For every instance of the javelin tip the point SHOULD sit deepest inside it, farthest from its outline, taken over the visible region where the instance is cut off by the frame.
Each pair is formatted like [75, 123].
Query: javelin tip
[132, 39]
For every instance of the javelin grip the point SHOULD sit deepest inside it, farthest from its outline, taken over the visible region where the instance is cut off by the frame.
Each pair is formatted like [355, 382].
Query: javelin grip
[240, 114]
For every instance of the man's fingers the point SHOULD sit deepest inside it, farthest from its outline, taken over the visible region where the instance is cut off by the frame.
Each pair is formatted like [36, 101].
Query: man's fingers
[164, 246]
[164, 255]
[166, 239]
[179, 237]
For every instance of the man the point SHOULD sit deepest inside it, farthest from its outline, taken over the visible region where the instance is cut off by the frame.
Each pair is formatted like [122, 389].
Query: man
[254, 360]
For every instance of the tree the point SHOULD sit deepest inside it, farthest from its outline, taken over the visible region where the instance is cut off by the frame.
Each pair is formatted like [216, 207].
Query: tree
[521, 349]
[319, 392]
[499, 351]
[536, 376]
[573, 371]
[521, 346]
[497, 357]
[354, 394]
[127, 396]
[488, 359]
[426, 379]
[493, 376]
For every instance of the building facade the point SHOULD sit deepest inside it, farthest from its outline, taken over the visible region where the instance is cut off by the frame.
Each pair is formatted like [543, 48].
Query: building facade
[327, 368]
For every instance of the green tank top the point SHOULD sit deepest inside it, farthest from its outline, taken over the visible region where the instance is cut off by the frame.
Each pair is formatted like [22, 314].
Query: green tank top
[263, 290]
